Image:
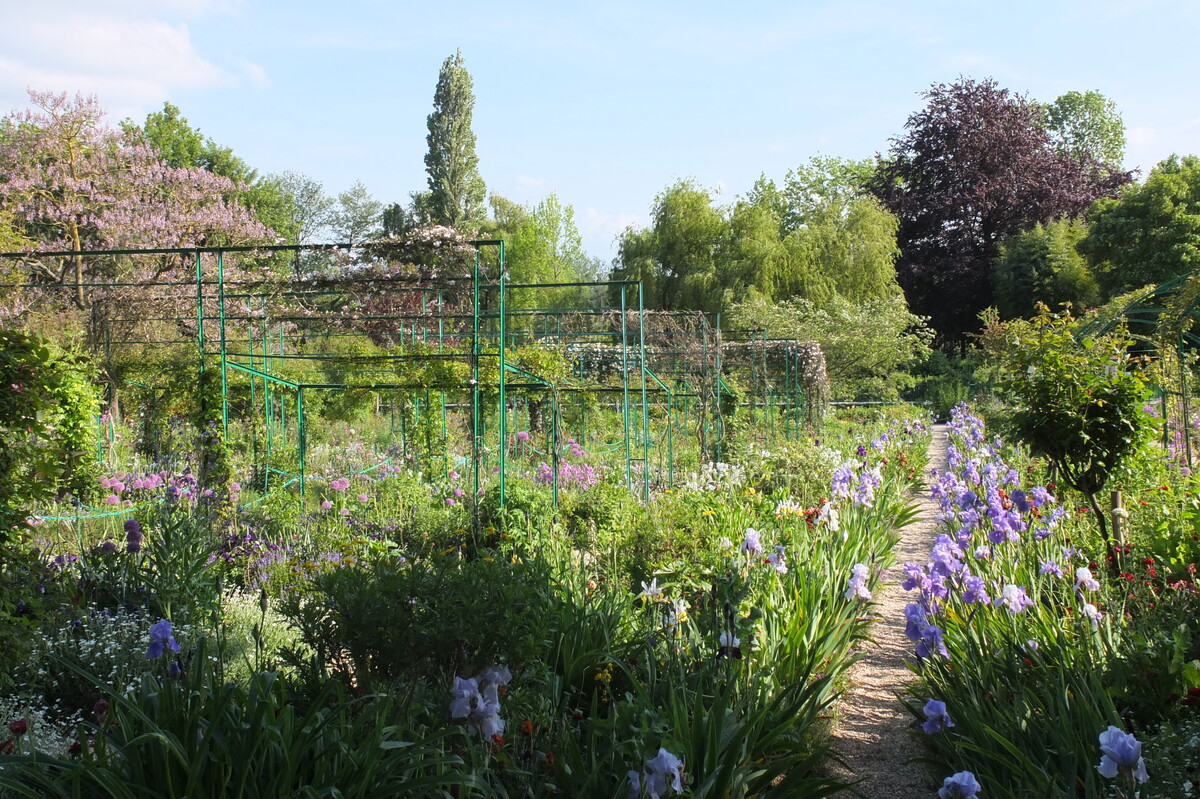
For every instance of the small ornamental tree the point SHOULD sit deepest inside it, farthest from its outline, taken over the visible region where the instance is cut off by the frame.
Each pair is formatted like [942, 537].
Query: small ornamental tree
[1078, 400]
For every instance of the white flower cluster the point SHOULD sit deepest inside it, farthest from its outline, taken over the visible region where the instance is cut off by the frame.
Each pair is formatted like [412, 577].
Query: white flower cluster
[716, 476]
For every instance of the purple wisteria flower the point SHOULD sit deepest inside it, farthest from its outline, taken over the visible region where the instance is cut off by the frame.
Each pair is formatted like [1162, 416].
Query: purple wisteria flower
[1015, 599]
[936, 717]
[962, 785]
[1122, 754]
[162, 638]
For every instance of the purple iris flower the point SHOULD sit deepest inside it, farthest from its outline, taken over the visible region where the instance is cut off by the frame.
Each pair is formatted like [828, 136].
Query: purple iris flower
[1015, 599]
[161, 639]
[936, 717]
[1122, 755]
[962, 785]
[975, 591]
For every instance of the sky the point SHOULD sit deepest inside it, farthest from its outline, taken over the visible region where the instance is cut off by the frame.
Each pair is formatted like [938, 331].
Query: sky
[603, 104]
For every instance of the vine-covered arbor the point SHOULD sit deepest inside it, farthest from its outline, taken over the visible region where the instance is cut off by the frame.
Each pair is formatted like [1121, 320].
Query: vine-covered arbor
[469, 369]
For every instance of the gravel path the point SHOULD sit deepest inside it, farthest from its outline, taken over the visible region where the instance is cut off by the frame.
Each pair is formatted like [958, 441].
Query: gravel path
[872, 736]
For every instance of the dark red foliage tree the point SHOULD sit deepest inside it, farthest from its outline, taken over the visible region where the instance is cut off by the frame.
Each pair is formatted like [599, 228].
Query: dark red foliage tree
[975, 165]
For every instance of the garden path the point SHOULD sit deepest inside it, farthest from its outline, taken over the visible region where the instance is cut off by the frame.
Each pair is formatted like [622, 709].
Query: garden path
[873, 736]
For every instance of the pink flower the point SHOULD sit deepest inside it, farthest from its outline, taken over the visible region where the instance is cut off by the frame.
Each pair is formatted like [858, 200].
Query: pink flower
[363, 498]
[449, 502]
[344, 511]
[326, 505]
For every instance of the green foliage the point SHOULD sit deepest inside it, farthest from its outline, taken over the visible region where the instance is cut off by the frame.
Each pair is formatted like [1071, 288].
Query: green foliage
[1076, 401]
[194, 735]
[388, 620]
[1087, 125]
[48, 408]
[456, 190]
[1151, 233]
[1043, 265]
[867, 345]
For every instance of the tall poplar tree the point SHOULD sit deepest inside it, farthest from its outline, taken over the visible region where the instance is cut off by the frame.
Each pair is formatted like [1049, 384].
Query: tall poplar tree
[456, 191]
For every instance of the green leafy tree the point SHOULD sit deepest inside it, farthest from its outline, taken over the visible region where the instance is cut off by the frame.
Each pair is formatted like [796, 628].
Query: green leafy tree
[974, 166]
[1151, 234]
[1087, 125]
[181, 146]
[867, 345]
[357, 216]
[676, 257]
[1044, 265]
[542, 245]
[1076, 400]
[456, 190]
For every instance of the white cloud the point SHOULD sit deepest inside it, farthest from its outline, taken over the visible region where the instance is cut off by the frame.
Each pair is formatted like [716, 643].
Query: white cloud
[597, 225]
[126, 52]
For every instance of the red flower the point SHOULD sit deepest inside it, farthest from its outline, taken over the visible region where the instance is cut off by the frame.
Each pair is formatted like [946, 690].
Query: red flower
[550, 758]
[498, 740]
[75, 749]
[6, 748]
[18, 727]
[527, 727]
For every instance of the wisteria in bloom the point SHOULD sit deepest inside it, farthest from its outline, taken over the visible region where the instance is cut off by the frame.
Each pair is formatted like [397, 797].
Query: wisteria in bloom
[1121, 754]
[477, 699]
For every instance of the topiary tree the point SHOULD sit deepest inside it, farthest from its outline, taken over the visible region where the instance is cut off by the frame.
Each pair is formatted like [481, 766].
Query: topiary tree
[1077, 399]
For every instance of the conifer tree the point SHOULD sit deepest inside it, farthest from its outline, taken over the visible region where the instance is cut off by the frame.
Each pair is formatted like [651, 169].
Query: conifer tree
[456, 191]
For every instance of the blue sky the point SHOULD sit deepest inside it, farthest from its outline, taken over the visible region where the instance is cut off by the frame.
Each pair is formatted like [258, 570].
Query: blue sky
[604, 104]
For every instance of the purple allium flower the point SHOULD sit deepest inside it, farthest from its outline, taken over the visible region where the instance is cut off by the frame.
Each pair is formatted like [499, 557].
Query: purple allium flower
[1015, 599]
[1122, 755]
[936, 717]
[363, 498]
[450, 502]
[106, 548]
[962, 785]
[133, 536]
[523, 436]
[326, 504]
[161, 639]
